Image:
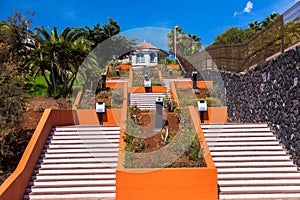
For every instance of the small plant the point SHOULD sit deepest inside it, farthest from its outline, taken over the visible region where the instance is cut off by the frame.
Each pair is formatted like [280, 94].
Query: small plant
[169, 104]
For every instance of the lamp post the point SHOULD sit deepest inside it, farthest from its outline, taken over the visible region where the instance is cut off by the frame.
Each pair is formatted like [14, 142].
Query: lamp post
[175, 42]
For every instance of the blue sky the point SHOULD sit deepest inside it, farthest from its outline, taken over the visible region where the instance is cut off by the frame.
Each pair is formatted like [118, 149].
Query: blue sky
[205, 18]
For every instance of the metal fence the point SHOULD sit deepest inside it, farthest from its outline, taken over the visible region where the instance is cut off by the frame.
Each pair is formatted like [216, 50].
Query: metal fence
[282, 33]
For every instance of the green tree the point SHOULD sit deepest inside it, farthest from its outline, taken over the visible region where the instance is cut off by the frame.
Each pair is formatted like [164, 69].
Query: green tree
[186, 44]
[233, 35]
[61, 55]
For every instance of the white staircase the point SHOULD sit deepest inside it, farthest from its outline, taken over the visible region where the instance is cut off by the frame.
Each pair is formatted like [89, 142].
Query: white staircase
[144, 101]
[251, 163]
[77, 162]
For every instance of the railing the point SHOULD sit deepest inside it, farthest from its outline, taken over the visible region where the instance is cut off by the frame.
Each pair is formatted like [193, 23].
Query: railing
[279, 35]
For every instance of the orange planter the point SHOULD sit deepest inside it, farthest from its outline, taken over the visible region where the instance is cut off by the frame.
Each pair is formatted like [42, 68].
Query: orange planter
[124, 66]
[173, 66]
[169, 183]
[153, 89]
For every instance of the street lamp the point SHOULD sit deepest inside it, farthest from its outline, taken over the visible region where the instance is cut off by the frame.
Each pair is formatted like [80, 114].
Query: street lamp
[175, 42]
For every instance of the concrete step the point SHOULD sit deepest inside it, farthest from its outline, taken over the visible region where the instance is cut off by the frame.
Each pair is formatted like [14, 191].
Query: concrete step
[251, 158]
[262, 176]
[239, 143]
[80, 150]
[80, 155]
[247, 153]
[240, 139]
[263, 189]
[78, 160]
[76, 137]
[237, 183]
[247, 148]
[253, 164]
[70, 190]
[257, 169]
[83, 133]
[74, 171]
[101, 129]
[238, 134]
[55, 183]
[82, 140]
[259, 196]
[77, 177]
[223, 126]
[93, 195]
[237, 130]
[82, 146]
[100, 165]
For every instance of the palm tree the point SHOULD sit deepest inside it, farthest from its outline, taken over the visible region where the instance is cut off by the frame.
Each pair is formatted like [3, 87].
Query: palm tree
[61, 55]
[270, 19]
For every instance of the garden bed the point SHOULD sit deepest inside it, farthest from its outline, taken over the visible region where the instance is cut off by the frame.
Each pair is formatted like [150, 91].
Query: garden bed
[142, 138]
[112, 97]
[153, 75]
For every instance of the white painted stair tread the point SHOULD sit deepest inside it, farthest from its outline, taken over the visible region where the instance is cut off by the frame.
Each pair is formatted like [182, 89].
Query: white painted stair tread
[77, 162]
[73, 183]
[75, 171]
[69, 196]
[71, 135]
[238, 134]
[278, 196]
[212, 126]
[233, 148]
[266, 175]
[251, 163]
[262, 188]
[83, 145]
[238, 143]
[252, 158]
[82, 140]
[74, 189]
[228, 139]
[246, 153]
[232, 130]
[81, 155]
[80, 150]
[256, 169]
[74, 177]
[258, 182]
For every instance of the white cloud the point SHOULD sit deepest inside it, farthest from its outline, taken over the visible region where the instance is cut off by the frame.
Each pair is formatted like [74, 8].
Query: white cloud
[235, 13]
[248, 7]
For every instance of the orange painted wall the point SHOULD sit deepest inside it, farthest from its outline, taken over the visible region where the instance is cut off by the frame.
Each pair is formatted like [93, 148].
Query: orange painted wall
[124, 66]
[89, 117]
[173, 66]
[167, 183]
[153, 89]
[15, 185]
[189, 84]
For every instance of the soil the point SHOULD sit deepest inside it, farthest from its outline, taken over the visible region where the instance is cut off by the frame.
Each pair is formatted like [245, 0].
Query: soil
[22, 134]
[35, 108]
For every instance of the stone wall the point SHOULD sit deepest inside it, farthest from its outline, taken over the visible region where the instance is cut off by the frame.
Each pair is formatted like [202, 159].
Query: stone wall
[269, 93]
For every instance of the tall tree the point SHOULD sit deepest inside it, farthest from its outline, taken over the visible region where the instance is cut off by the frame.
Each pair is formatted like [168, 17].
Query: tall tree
[186, 44]
[61, 55]
[230, 36]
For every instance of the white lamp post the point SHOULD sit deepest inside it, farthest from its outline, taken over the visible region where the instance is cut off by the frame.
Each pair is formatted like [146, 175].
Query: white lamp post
[175, 42]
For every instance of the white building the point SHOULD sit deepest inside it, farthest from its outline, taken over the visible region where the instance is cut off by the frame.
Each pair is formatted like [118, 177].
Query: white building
[146, 54]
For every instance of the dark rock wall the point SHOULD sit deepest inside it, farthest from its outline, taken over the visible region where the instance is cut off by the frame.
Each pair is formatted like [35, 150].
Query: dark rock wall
[269, 93]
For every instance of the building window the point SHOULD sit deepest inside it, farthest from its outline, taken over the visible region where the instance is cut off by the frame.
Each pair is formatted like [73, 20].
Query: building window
[140, 58]
[152, 58]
